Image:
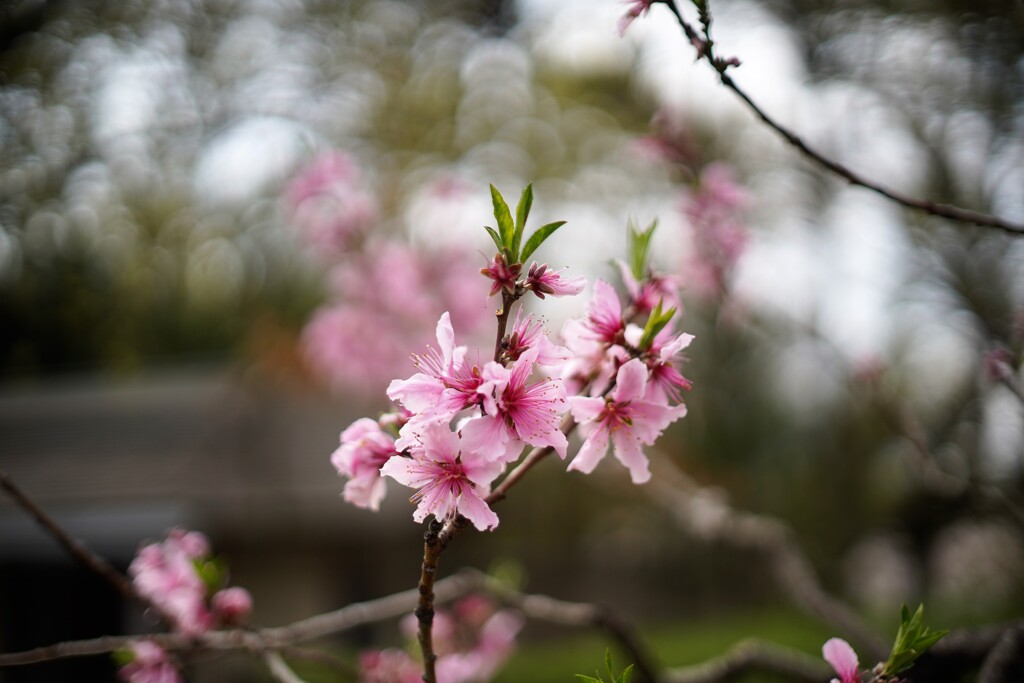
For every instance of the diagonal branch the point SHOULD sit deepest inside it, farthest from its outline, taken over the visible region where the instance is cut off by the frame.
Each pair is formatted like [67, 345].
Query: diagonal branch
[705, 51]
[92, 561]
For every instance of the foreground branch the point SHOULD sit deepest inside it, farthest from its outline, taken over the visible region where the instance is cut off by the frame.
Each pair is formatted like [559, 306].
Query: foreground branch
[705, 50]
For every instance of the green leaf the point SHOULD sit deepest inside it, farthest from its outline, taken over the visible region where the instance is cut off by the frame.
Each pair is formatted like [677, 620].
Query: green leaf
[656, 322]
[213, 572]
[912, 640]
[638, 246]
[608, 662]
[522, 213]
[123, 656]
[627, 675]
[495, 236]
[504, 217]
[538, 237]
[588, 679]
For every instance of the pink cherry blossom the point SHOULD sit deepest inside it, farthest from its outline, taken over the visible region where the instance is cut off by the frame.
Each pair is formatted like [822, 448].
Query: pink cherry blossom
[502, 274]
[165, 575]
[149, 664]
[232, 605]
[446, 385]
[451, 479]
[365, 447]
[528, 333]
[635, 9]
[843, 659]
[542, 281]
[603, 319]
[646, 294]
[516, 412]
[626, 419]
[666, 382]
[389, 666]
[717, 229]
[329, 204]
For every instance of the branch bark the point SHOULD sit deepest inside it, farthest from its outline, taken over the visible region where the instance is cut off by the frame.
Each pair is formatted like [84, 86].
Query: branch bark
[753, 656]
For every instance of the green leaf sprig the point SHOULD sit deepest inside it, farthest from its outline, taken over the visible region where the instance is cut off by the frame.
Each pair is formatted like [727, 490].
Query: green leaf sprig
[912, 640]
[508, 237]
[624, 677]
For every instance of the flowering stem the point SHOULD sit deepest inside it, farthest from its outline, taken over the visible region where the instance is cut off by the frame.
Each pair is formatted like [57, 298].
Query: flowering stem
[432, 549]
[506, 308]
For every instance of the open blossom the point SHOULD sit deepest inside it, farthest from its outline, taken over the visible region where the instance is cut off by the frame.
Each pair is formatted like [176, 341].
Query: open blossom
[542, 281]
[528, 333]
[365, 447]
[666, 382]
[843, 659]
[451, 479]
[635, 8]
[165, 575]
[446, 385]
[149, 664]
[624, 418]
[517, 412]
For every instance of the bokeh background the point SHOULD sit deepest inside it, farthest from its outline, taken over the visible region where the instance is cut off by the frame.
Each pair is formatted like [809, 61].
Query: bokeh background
[225, 224]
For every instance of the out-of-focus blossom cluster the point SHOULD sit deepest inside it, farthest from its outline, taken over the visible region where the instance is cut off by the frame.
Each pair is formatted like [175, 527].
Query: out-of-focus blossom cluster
[466, 416]
[147, 662]
[472, 642]
[383, 293]
[719, 236]
[184, 583]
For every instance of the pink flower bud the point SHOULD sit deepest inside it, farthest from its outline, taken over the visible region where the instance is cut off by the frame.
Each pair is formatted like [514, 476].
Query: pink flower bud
[232, 605]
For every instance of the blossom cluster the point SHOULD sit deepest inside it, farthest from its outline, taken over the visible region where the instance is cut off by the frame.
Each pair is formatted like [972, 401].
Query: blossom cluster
[375, 281]
[471, 641]
[462, 420]
[184, 584]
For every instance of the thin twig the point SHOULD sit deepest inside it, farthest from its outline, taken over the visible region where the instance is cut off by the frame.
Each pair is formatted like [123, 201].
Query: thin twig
[280, 669]
[753, 655]
[956, 213]
[89, 559]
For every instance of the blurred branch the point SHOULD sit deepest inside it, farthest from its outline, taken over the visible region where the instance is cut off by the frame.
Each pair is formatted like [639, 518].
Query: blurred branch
[86, 557]
[753, 656]
[706, 514]
[267, 642]
[705, 50]
[280, 669]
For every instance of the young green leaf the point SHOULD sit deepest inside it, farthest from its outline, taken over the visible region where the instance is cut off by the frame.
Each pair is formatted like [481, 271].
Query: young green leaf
[638, 245]
[538, 237]
[522, 213]
[912, 640]
[504, 217]
[627, 675]
[495, 236]
[656, 322]
[588, 679]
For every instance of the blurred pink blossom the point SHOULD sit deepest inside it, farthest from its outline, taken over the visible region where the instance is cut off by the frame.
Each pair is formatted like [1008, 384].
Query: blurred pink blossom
[389, 666]
[165, 575]
[634, 9]
[384, 301]
[843, 659]
[149, 664]
[329, 205]
[718, 233]
[232, 605]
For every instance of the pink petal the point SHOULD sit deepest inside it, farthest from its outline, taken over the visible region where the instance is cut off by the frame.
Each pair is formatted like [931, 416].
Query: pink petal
[591, 452]
[473, 508]
[585, 408]
[843, 659]
[630, 382]
[630, 453]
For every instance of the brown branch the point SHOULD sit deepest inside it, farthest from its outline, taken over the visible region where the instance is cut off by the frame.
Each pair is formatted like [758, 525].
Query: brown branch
[706, 514]
[280, 669]
[82, 554]
[705, 51]
[753, 656]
